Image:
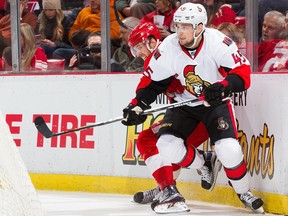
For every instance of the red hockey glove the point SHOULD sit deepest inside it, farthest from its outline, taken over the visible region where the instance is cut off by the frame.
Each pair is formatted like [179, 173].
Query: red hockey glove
[215, 93]
[174, 87]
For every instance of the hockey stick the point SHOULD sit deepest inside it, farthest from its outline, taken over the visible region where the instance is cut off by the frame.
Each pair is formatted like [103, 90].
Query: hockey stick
[47, 133]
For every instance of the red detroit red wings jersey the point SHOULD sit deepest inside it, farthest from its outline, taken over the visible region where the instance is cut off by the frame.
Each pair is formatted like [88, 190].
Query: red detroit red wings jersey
[216, 56]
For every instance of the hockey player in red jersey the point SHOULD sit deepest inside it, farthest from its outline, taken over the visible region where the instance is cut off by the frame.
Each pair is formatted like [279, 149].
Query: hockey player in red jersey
[208, 63]
[144, 39]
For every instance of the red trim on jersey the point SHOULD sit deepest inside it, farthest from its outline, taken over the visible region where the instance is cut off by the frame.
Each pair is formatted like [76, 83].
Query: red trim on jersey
[224, 83]
[231, 112]
[185, 50]
[164, 176]
[144, 82]
[197, 48]
[200, 46]
[244, 72]
[236, 173]
[134, 101]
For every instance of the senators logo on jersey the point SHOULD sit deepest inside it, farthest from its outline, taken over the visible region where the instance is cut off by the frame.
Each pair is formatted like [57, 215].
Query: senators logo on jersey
[194, 83]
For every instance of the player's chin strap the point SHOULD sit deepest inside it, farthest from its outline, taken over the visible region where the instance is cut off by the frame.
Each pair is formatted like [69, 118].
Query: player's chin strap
[196, 37]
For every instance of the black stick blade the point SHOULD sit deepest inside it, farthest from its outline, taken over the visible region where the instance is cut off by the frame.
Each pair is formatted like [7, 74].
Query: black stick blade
[42, 127]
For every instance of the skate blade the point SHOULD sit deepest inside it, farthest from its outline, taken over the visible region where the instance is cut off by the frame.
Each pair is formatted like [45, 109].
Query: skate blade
[259, 210]
[141, 203]
[216, 170]
[167, 208]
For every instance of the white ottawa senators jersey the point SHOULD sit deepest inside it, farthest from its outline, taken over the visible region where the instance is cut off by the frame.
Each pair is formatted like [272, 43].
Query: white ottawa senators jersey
[215, 55]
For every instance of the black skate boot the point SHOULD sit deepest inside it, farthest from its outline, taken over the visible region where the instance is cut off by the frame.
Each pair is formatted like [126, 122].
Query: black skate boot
[169, 201]
[209, 171]
[144, 197]
[252, 202]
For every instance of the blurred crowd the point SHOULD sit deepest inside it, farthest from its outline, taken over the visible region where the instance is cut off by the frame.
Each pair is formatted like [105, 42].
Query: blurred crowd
[66, 34]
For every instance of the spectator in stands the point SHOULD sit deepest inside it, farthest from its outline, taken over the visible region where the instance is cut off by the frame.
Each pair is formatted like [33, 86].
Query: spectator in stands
[164, 8]
[265, 6]
[272, 45]
[92, 58]
[53, 27]
[123, 54]
[33, 57]
[26, 17]
[89, 18]
[94, 41]
[282, 65]
[71, 8]
[7, 59]
[135, 8]
[273, 25]
[219, 12]
[78, 41]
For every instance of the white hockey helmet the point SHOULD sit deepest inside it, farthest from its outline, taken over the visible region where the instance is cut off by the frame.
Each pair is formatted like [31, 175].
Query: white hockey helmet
[191, 13]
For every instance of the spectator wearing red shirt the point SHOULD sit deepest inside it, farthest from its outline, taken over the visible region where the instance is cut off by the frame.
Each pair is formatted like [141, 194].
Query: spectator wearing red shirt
[273, 45]
[33, 57]
[219, 12]
[165, 8]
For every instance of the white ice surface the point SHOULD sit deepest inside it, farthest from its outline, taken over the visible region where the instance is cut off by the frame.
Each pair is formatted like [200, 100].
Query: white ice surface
[92, 204]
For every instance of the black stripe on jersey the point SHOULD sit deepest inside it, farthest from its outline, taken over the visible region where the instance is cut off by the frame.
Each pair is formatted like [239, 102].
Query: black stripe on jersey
[226, 69]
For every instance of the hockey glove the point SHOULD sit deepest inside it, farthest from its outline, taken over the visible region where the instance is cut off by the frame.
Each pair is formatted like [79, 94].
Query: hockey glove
[215, 93]
[132, 115]
[174, 87]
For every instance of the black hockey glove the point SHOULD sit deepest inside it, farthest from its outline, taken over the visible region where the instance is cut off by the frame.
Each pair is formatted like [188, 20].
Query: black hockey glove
[132, 114]
[215, 93]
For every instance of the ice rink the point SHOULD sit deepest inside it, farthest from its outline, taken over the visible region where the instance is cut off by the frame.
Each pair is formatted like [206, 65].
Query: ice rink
[91, 204]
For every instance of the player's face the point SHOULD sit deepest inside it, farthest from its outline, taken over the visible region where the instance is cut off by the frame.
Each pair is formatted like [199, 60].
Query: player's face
[185, 34]
[141, 51]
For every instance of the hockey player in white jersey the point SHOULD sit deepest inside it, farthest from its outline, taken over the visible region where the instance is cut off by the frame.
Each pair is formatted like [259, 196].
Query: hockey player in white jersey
[208, 63]
[144, 39]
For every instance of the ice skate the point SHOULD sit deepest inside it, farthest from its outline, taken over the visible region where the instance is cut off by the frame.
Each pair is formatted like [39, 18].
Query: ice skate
[209, 171]
[252, 202]
[169, 201]
[144, 197]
